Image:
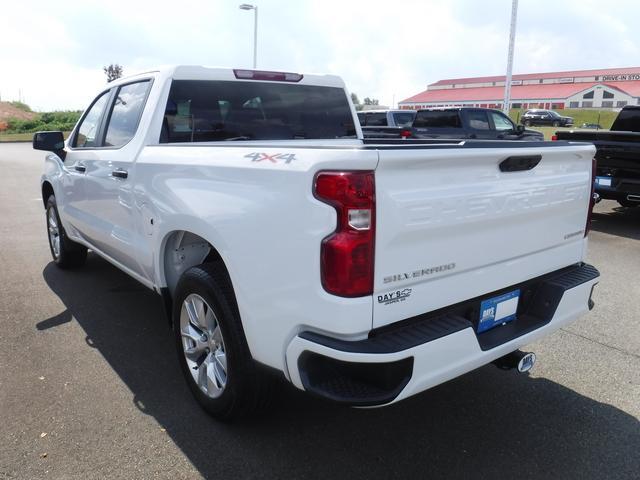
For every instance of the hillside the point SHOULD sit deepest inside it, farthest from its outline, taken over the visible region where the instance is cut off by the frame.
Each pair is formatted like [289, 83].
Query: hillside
[7, 111]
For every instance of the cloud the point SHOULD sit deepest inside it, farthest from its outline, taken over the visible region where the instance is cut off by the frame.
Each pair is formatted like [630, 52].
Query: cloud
[54, 51]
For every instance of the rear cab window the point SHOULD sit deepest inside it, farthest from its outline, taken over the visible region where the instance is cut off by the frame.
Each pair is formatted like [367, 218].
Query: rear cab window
[212, 110]
[403, 119]
[378, 119]
[628, 120]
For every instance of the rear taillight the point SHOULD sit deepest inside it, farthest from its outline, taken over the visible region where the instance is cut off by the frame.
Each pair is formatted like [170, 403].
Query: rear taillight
[554, 138]
[346, 256]
[405, 134]
[592, 196]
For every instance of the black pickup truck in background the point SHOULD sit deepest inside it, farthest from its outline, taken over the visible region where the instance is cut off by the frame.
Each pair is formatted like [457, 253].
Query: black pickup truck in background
[479, 123]
[617, 156]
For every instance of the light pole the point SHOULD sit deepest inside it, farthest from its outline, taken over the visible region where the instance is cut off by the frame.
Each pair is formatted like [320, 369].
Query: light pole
[512, 38]
[247, 6]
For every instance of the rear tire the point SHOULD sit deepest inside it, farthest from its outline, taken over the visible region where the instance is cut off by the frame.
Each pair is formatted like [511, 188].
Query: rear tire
[527, 123]
[66, 253]
[628, 203]
[556, 124]
[212, 349]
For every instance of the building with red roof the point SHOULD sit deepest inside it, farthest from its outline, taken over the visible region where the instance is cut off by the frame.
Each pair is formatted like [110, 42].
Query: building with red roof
[605, 88]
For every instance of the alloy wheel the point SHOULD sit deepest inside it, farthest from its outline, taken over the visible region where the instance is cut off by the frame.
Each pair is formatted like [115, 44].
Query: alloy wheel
[203, 345]
[54, 232]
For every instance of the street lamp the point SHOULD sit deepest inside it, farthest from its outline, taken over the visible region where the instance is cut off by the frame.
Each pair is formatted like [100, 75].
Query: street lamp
[512, 39]
[247, 6]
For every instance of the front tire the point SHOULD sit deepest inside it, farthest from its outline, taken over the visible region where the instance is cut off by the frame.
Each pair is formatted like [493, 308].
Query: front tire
[527, 123]
[212, 349]
[66, 253]
[556, 124]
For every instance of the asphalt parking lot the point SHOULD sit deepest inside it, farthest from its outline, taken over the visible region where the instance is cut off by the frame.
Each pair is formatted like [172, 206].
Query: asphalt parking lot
[90, 386]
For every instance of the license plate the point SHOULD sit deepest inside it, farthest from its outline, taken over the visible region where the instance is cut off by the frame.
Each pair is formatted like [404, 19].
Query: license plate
[603, 181]
[498, 310]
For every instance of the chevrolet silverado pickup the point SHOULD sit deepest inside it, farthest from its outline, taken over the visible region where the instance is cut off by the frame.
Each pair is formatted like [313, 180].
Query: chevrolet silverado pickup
[280, 241]
[617, 155]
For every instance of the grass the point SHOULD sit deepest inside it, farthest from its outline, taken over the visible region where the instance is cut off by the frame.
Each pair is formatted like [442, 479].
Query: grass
[16, 137]
[21, 137]
[548, 131]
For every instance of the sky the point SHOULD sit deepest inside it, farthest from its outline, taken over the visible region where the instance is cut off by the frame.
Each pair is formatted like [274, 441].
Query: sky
[53, 51]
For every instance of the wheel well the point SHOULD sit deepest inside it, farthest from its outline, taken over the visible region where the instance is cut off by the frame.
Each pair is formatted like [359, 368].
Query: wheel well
[47, 191]
[183, 250]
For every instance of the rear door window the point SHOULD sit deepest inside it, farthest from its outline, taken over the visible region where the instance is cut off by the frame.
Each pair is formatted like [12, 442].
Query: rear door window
[206, 111]
[478, 119]
[125, 113]
[437, 119]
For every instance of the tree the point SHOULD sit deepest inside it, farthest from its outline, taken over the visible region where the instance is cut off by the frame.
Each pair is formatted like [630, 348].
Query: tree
[354, 99]
[113, 72]
[371, 101]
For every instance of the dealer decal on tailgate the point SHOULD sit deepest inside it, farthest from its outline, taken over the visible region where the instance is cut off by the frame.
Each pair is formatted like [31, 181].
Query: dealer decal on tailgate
[394, 297]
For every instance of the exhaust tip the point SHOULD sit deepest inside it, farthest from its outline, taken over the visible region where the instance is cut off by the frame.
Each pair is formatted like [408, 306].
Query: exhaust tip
[521, 361]
[527, 362]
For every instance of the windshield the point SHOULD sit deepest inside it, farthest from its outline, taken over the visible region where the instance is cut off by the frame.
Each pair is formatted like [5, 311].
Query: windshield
[206, 111]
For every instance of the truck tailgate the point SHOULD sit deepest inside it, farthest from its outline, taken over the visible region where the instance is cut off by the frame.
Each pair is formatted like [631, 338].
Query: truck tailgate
[452, 226]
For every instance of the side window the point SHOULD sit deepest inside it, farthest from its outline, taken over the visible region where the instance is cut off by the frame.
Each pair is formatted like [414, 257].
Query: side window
[361, 119]
[437, 119]
[478, 120]
[88, 129]
[125, 113]
[501, 122]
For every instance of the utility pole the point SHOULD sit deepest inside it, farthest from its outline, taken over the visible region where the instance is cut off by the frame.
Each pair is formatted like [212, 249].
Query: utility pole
[512, 39]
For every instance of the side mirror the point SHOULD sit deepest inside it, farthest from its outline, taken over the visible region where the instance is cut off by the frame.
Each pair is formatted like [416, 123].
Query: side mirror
[519, 129]
[48, 141]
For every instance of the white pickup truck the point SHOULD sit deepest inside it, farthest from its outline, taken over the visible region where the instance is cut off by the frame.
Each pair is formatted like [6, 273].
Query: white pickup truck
[363, 271]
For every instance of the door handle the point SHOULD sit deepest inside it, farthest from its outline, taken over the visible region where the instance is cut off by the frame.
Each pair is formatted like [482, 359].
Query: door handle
[120, 173]
[80, 168]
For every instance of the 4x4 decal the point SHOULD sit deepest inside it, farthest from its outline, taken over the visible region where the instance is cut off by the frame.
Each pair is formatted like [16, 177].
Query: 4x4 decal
[273, 158]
